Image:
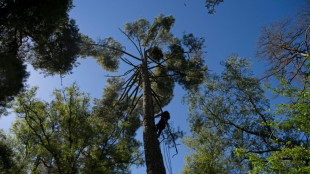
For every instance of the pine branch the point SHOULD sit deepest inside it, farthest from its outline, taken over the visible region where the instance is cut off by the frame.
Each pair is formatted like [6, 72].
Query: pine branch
[116, 49]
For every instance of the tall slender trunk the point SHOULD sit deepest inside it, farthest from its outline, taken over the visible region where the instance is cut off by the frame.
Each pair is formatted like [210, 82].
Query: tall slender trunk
[153, 156]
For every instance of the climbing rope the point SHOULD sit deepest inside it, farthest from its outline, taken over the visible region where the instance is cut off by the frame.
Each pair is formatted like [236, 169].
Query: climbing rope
[167, 158]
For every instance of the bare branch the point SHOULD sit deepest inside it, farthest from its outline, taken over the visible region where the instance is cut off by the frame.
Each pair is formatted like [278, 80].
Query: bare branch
[134, 106]
[173, 139]
[139, 50]
[129, 85]
[156, 97]
[128, 62]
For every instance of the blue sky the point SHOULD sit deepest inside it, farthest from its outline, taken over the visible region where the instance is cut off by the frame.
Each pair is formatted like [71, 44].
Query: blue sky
[233, 29]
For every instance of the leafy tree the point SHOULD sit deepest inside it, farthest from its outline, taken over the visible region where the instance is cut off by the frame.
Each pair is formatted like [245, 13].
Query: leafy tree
[67, 136]
[292, 124]
[162, 59]
[38, 32]
[229, 112]
[284, 45]
[207, 149]
[234, 129]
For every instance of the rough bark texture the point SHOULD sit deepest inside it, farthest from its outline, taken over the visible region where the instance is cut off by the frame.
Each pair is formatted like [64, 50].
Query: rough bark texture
[153, 156]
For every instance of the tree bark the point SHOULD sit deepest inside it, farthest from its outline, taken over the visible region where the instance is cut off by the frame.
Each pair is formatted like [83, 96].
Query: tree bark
[153, 156]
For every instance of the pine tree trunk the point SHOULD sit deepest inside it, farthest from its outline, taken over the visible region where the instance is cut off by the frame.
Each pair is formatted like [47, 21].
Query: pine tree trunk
[153, 156]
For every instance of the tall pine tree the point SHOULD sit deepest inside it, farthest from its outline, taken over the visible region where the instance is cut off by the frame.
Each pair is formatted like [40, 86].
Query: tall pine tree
[161, 60]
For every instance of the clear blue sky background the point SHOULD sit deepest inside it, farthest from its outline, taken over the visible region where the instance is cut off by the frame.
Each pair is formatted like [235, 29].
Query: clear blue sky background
[233, 29]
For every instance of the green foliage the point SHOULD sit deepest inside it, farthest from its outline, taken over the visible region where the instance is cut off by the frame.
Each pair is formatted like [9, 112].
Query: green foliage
[67, 135]
[57, 52]
[293, 123]
[12, 77]
[38, 32]
[250, 135]
[286, 41]
[228, 112]
[47, 25]
[188, 69]
[162, 86]
[107, 55]
[207, 151]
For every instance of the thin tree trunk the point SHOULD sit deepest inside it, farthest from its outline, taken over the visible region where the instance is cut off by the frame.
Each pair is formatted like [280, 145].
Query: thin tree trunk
[153, 156]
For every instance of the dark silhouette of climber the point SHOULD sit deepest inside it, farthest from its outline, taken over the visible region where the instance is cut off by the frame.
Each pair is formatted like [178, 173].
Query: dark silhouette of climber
[160, 126]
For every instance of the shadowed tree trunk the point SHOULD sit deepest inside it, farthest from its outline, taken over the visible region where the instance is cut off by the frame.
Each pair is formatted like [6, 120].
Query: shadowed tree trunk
[153, 156]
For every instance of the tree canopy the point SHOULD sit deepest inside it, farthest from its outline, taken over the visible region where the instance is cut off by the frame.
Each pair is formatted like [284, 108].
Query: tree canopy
[238, 122]
[228, 112]
[36, 32]
[68, 135]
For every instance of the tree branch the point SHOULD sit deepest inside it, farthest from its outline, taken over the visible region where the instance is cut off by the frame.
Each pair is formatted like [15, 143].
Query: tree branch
[116, 49]
[139, 50]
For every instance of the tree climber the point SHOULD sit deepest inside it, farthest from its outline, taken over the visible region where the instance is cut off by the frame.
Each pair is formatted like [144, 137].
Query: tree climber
[160, 126]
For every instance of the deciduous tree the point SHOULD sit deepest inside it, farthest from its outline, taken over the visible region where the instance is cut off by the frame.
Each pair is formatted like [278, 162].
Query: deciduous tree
[229, 111]
[67, 135]
[235, 129]
[284, 45]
